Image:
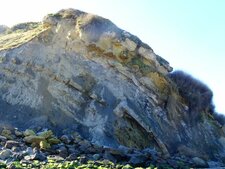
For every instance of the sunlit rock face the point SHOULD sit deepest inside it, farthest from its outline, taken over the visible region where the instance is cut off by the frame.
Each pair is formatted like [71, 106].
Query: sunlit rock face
[80, 72]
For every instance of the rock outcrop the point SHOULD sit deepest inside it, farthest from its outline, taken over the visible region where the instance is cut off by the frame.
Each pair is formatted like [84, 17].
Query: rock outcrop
[3, 29]
[80, 72]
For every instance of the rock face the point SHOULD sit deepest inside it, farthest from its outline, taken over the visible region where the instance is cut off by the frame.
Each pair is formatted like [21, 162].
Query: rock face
[3, 29]
[79, 72]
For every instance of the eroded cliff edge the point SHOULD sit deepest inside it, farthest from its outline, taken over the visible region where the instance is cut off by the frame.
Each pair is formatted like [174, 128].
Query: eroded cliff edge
[79, 71]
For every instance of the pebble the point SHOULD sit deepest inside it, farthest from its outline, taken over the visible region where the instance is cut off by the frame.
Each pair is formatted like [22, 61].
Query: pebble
[83, 159]
[36, 156]
[18, 133]
[96, 157]
[214, 164]
[18, 156]
[62, 151]
[2, 138]
[65, 139]
[72, 157]
[138, 159]
[109, 157]
[125, 150]
[55, 158]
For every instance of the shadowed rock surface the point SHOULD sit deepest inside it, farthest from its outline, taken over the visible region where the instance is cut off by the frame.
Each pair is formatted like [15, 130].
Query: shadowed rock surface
[79, 72]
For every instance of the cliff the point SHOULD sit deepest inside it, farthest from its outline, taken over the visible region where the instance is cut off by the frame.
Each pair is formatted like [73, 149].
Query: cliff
[80, 72]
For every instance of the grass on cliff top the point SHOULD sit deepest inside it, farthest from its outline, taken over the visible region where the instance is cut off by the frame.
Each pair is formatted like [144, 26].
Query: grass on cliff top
[13, 39]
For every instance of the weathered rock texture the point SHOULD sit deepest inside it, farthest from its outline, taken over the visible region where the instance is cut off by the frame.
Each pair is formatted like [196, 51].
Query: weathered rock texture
[78, 71]
[3, 29]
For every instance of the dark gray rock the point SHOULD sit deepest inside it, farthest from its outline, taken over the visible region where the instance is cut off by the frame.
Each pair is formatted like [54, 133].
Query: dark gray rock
[28, 151]
[173, 163]
[96, 157]
[3, 138]
[18, 156]
[125, 150]
[96, 149]
[35, 154]
[27, 162]
[84, 146]
[38, 156]
[55, 147]
[16, 149]
[109, 157]
[10, 143]
[65, 139]
[71, 149]
[83, 159]
[138, 160]
[214, 164]
[117, 154]
[55, 158]
[151, 153]
[62, 151]
[72, 156]
[4, 154]
[11, 166]
[198, 162]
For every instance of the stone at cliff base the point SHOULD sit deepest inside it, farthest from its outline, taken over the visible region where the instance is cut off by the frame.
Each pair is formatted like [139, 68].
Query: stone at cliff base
[4, 154]
[34, 139]
[198, 162]
[10, 143]
[29, 132]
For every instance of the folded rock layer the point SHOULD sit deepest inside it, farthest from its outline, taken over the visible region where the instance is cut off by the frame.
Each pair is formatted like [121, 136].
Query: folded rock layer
[80, 72]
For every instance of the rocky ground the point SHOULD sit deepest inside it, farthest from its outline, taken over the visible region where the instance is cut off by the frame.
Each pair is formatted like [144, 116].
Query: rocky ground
[42, 149]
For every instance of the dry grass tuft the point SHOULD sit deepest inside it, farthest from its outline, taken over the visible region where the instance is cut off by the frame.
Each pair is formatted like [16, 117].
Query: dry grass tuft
[17, 38]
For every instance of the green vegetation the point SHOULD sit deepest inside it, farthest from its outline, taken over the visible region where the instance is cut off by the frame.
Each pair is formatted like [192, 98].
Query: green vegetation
[51, 164]
[143, 65]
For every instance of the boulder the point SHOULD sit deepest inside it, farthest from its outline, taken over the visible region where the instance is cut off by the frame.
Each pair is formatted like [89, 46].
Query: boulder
[7, 134]
[46, 134]
[198, 162]
[29, 132]
[34, 139]
[11, 143]
[2, 138]
[4, 154]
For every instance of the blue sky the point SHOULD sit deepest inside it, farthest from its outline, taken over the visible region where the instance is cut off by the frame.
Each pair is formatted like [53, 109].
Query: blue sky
[190, 34]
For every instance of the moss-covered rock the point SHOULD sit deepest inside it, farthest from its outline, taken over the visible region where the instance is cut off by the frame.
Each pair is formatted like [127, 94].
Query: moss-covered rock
[46, 134]
[44, 145]
[34, 139]
[29, 132]
[53, 140]
[7, 133]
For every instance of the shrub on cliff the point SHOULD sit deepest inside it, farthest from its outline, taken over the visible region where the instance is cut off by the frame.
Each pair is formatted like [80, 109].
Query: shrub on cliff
[197, 95]
[219, 117]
